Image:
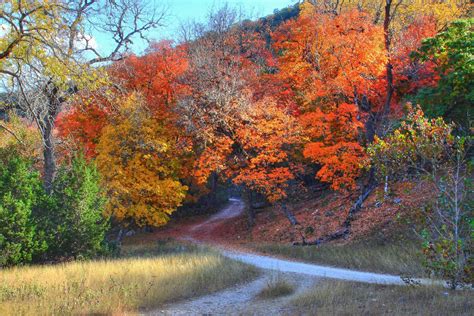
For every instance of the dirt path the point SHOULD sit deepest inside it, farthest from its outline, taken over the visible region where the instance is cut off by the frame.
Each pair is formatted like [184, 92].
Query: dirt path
[241, 299]
[202, 233]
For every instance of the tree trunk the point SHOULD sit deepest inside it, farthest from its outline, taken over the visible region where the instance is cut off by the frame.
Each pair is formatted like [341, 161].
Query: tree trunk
[47, 127]
[291, 217]
[389, 66]
[212, 197]
[370, 127]
[250, 210]
[371, 185]
[49, 157]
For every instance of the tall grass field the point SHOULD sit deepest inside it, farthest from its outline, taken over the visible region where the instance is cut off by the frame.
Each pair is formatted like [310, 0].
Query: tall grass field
[331, 297]
[144, 279]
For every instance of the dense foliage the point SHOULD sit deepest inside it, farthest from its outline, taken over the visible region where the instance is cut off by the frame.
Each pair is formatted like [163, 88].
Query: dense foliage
[138, 159]
[20, 189]
[36, 226]
[72, 216]
[452, 53]
[427, 149]
[315, 91]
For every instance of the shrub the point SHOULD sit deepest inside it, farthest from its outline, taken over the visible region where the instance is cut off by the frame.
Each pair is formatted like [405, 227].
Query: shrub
[426, 149]
[275, 288]
[20, 190]
[72, 216]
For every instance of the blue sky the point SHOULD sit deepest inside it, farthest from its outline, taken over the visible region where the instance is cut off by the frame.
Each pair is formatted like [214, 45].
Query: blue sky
[183, 10]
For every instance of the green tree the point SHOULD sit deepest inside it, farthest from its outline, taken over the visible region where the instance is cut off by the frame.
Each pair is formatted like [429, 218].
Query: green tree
[452, 53]
[72, 216]
[20, 190]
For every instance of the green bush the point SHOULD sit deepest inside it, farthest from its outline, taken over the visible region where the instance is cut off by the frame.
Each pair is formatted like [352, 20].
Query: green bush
[72, 216]
[20, 190]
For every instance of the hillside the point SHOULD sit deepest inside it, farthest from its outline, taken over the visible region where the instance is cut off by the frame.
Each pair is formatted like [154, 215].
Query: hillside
[241, 159]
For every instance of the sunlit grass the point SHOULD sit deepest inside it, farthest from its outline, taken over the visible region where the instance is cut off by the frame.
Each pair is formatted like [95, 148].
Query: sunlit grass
[114, 286]
[394, 257]
[349, 298]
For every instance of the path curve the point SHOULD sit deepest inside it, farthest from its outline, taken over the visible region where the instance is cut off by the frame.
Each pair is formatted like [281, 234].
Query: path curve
[241, 299]
[236, 207]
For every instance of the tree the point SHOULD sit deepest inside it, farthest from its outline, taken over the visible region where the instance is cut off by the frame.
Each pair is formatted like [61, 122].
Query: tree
[47, 53]
[333, 64]
[334, 134]
[258, 155]
[20, 192]
[267, 140]
[427, 149]
[72, 217]
[452, 53]
[139, 160]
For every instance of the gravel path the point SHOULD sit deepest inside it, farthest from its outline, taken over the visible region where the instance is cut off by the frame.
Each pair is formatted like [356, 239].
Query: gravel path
[241, 300]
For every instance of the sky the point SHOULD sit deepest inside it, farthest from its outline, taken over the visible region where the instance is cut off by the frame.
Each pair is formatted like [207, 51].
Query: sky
[179, 11]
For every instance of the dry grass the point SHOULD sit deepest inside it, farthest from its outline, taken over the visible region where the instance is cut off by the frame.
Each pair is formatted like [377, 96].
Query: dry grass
[276, 287]
[350, 298]
[395, 257]
[148, 277]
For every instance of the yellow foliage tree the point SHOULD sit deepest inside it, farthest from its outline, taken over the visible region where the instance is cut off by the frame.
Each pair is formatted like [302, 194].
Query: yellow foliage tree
[138, 159]
[402, 12]
[47, 54]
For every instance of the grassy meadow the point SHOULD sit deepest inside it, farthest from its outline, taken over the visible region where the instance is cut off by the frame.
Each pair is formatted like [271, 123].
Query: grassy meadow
[145, 277]
[350, 298]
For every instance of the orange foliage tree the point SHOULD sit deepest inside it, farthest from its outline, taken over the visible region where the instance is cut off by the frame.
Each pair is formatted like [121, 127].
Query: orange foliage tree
[334, 144]
[258, 153]
[333, 63]
[154, 75]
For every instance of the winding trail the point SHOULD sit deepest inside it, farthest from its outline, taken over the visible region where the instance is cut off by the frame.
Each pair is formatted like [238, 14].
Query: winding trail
[241, 299]
[235, 208]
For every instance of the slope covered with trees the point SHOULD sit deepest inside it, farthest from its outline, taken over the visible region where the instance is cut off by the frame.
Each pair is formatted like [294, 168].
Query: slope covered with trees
[316, 94]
